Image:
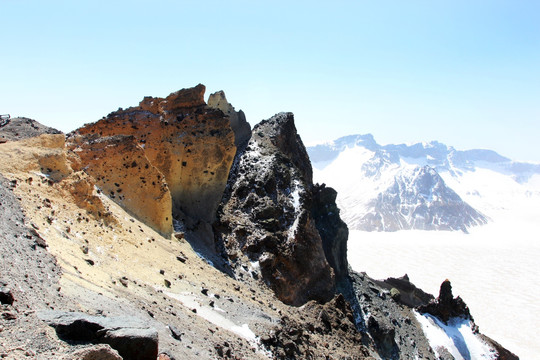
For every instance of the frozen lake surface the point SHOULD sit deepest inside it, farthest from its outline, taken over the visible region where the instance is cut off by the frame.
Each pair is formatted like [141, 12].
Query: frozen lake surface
[495, 269]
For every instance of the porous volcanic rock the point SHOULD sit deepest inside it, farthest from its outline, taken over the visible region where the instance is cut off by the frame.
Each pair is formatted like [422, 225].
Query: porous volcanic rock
[122, 170]
[266, 214]
[189, 144]
[446, 306]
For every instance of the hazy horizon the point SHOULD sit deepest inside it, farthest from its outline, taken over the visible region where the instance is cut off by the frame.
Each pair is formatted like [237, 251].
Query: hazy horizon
[465, 74]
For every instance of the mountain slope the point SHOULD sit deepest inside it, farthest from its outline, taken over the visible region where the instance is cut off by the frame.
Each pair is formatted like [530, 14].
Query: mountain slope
[259, 272]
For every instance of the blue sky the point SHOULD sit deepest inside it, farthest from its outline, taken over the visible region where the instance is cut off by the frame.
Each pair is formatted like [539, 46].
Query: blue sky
[466, 73]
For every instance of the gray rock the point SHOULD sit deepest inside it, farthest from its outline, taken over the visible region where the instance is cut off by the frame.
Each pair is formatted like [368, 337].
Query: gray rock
[23, 128]
[130, 336]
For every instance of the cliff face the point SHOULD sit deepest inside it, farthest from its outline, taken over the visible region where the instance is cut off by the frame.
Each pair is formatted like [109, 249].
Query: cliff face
[175, 147]
[266, 216]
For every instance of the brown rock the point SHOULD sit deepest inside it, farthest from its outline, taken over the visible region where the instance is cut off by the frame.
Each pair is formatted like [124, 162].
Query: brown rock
[123, 172]
[188, 144]
[446, 306]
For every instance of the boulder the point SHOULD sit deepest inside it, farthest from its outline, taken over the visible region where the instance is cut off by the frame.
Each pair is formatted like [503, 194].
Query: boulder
[6, 297]
[130, 336]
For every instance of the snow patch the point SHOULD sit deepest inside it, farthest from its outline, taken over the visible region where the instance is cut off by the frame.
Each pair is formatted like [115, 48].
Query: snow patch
[458, 338]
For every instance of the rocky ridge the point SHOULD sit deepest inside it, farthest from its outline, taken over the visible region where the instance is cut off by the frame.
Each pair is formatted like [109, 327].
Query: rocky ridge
[267, 218]
[263, 273]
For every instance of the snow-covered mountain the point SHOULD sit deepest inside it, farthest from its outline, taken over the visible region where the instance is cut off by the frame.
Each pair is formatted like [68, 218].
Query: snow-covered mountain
[428, 186]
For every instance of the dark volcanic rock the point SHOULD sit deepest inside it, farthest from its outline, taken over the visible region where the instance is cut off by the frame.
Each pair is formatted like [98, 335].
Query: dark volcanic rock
[129, 336]
[6, 297]
[446, 306]
[334, 232]
[409, 294]
[266, 214]
[23, 128]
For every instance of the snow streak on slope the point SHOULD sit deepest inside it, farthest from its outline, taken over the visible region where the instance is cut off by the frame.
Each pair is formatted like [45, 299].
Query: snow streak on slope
[457, 337]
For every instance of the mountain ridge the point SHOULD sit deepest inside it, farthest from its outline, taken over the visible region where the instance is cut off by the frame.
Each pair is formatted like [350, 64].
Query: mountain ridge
[260, 272]
[387, 168]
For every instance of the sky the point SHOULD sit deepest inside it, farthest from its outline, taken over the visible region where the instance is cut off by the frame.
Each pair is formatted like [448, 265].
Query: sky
[465, 73]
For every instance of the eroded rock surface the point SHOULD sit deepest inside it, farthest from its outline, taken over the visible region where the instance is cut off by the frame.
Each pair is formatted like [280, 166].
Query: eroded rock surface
[446, 306]
[124, 173]
[266, 216]
[22, 128]
[176, 144]
[334, 232]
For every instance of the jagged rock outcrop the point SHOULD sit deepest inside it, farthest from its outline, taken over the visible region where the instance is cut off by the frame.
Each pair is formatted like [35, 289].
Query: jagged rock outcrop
[175, 145]
[446, 306]
[241, 128]
[333, 231]
[293, 340]
[272, 221]
[266, 214]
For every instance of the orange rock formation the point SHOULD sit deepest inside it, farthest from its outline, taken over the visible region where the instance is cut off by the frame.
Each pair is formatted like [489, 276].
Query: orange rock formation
[168, 157]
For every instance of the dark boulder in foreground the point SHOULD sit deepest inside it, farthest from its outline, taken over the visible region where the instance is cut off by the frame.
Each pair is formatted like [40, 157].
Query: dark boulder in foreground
[127, 335]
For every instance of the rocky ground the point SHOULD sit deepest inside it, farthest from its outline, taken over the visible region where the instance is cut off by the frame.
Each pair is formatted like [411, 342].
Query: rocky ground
[94, 274]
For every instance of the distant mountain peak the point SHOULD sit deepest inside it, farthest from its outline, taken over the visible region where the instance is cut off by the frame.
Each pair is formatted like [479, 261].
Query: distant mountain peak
[380, 186]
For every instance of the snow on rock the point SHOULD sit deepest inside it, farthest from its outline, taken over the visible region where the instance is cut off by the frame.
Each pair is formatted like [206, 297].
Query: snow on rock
[458, 338]
[425, 186]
